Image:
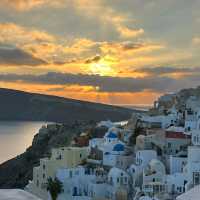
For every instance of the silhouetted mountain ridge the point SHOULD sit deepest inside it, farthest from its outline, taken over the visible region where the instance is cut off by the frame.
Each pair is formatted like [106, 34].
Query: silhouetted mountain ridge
[19, 105]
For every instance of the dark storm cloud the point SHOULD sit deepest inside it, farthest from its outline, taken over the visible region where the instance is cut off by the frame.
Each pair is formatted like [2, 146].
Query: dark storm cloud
[15, 56]
[107, 83]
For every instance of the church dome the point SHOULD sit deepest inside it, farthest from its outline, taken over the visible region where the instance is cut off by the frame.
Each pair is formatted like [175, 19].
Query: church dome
[111, 135]
[118, 147]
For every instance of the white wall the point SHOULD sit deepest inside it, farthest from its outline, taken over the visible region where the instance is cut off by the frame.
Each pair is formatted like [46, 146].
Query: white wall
[143, 157]
[175, 183]
[176, 164]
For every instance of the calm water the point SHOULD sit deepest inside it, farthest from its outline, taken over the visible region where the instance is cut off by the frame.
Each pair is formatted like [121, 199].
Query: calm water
[15, 137]
[142, 107]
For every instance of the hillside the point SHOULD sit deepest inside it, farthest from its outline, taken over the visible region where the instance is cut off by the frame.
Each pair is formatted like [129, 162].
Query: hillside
[16, 172]
[76, 116]
[178, 99]
[18, 105]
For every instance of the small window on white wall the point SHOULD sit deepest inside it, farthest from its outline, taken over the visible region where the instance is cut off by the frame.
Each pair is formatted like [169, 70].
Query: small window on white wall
[125, 179]
[194, 138]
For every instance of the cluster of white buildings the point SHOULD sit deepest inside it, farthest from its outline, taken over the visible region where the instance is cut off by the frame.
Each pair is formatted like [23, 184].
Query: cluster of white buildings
[149, 158]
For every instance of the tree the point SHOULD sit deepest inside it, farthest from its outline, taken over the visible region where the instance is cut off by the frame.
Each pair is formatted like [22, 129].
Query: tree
[138, 131]
[55, 187]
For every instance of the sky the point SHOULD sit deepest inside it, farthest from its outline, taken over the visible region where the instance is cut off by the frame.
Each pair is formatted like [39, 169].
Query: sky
[108, 51]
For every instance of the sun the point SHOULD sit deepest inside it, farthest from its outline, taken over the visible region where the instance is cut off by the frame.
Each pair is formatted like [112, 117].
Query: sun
[102, 68]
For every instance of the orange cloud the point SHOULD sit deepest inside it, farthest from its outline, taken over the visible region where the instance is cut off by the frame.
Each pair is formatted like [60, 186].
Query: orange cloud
[78, 55]
[122, 48]
[61, 52]
[14, 34]
[80, 45]
[86, 93]
[25, 5]
[129, 33]
[39, 43]
[95, 9]
[196, 40]
[116, 58]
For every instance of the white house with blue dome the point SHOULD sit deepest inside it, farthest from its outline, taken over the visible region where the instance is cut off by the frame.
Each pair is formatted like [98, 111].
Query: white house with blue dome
[111, 153]
[111, 137]
[117, 156]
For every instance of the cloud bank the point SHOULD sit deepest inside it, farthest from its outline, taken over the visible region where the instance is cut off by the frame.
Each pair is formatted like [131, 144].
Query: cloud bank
[15, 56]
[110, 84]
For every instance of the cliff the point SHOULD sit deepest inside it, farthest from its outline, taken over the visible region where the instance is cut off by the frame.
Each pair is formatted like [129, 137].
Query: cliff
[16, 172]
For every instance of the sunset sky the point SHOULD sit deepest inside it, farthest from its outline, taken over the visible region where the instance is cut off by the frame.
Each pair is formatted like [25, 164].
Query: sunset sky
[109, 51]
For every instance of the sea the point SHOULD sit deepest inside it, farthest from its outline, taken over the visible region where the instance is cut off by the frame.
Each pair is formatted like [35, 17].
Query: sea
[142, 107]
[16, 137]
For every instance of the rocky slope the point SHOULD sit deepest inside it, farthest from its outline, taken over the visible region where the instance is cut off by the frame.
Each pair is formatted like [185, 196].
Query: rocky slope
[16, 172]
[75, 116]
[18, 105]
[178, 99]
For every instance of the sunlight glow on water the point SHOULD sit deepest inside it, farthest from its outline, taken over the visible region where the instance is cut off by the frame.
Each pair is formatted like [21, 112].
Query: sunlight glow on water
[15, 137]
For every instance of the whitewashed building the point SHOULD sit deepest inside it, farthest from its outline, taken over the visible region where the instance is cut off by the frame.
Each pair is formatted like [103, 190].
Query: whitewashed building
[176, 183]
[143, 157]
[154, 178]
[177, 163]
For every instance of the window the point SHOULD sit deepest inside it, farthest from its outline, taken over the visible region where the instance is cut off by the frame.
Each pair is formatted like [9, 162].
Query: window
[77, 172]
[196, 178]
[43, 167]
[43, 175]
[117, 180]
[121, 180]
[80, 155]
[125, 179]
[37, 183]
[70, 174]
[111, 180]
[156, 188]
[169, 145]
